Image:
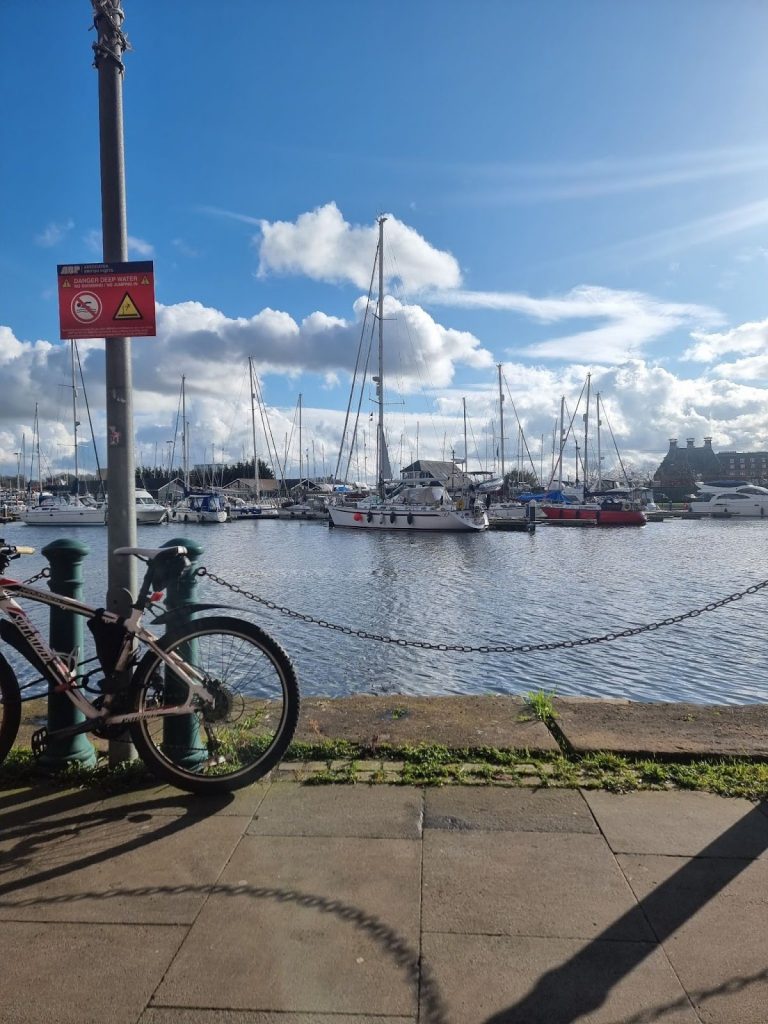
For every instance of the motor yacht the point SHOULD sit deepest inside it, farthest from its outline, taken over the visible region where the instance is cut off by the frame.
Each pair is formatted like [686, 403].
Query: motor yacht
[730, 498]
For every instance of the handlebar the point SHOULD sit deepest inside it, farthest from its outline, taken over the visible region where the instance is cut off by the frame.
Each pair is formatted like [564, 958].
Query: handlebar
[14, 550]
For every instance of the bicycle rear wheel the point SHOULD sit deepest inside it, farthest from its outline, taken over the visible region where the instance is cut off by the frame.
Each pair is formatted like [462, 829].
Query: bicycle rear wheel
[247, 730]
[10, 708]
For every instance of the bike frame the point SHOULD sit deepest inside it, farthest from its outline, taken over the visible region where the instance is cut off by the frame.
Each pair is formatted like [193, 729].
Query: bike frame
[62, 674]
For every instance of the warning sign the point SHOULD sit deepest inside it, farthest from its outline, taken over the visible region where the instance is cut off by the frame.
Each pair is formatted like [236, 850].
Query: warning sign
[127, 310]
[107, 300]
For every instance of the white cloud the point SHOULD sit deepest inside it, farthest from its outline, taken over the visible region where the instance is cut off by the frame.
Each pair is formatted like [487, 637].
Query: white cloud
[53, 233]
[633, 320]
[746, 339]
[324, 247]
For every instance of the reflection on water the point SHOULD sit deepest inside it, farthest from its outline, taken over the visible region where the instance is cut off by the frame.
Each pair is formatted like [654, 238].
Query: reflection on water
[508, 588]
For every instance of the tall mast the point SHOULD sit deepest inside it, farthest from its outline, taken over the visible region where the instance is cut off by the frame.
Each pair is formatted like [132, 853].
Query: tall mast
[300, 454]
[466, 453]
[253, 431]
[599, 456]
[39, 463]
[380, 382]
[184, 436]
[586, 436]
[562, 444]
[74, 411]
[501, 423]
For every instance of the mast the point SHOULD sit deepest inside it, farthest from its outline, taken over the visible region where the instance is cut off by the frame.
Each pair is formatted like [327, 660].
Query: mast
[599, 456]
[586, 436]
[253, 431]
[501, 425]
[562, 444]
[300, 455]
[39, 463]
[380, 381]
[184, 436]
[466, 453]
[75, 421]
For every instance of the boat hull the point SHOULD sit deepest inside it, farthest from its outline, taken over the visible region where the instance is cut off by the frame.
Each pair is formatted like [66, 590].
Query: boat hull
[588, 515]
[409, 519]
[65, 517]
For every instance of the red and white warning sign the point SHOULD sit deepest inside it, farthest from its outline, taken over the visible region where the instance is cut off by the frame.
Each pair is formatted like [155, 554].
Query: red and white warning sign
[107, 300]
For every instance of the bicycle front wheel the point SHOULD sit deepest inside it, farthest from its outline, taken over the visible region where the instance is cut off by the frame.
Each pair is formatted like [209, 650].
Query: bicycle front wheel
[246, 730]
[10, 708]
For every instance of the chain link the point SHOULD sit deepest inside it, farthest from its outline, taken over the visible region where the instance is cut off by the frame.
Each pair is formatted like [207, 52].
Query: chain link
[554, 645]
[43, 574]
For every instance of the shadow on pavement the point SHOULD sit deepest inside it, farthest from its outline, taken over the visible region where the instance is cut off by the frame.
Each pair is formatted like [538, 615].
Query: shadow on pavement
[47, 830]
[578, 987]
[394, 945]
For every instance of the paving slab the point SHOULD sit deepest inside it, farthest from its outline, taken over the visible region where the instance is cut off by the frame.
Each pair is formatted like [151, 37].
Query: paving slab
[710, 915]
[187, 1016]
[492, 809]
[306, 925]
[167, 800]
[526, 883]
[664, 729]
[101, 973]
[457, 722]
[383, 812]
[139, 868]
[680, 824]
[532, 980]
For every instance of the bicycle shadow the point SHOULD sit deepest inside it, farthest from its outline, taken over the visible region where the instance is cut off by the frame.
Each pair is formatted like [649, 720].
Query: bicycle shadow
[41, 825]
[577, 988]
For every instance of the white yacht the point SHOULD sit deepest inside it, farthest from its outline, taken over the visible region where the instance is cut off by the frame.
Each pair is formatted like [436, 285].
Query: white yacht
[64, 511]
[730, 498]
[147, 509]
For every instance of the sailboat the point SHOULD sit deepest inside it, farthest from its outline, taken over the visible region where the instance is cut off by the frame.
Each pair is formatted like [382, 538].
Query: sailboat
[71, 510]
[601, 508]
[199, 505]
[245, 509]
[412, 504]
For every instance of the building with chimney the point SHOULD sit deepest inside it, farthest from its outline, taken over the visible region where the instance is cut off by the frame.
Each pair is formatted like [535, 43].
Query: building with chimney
[680, 468]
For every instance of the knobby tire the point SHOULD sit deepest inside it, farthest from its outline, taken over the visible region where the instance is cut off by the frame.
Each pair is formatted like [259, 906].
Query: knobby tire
[254, 720]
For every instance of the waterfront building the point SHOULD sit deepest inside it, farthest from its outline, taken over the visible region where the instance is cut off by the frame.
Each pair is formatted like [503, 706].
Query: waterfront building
[681, 467]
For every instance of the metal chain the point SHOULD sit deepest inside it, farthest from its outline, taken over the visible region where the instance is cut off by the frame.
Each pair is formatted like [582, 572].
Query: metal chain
[483, 648]
[43, 574]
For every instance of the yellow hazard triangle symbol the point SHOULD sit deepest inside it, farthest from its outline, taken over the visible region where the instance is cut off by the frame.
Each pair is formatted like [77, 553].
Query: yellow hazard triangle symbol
[65, 284]
[127, 310]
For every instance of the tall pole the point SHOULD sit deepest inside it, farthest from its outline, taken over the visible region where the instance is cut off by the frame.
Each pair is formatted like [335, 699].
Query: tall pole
[466, 454]
[380, 382]
[599, 453]
[121, 469]
[253, 431]
[501, 426]
[74, 413]
[586, 437]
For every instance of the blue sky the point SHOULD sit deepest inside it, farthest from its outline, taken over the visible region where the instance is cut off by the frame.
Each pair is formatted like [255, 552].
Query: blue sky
[571, 187]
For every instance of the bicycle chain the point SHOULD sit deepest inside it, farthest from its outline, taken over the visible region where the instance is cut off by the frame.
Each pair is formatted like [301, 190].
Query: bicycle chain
[483, 648]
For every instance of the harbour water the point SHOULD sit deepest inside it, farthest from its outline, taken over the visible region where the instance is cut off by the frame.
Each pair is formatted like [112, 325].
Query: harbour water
[490, 588]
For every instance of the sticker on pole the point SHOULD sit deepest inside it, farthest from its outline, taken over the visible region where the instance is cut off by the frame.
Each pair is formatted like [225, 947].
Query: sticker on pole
[107, 300]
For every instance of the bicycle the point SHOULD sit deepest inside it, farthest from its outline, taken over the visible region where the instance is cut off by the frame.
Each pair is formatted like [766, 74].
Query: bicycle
[211, 706]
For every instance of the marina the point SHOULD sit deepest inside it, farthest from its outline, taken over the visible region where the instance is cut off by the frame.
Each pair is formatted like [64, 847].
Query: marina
[495, 588]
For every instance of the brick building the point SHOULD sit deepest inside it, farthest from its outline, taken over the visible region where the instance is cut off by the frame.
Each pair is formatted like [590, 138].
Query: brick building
[752, 466]
[681, 467]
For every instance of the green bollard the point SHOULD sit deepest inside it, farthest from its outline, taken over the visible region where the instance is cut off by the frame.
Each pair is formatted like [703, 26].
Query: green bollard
[66, 634]
[181, 738]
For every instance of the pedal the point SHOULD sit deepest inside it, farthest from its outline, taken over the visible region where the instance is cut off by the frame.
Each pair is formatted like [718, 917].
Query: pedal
[39, 741]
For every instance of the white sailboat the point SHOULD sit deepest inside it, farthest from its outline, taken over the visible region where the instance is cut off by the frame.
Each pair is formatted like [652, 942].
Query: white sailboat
[66, 510]
[413, 504]
[198, 506]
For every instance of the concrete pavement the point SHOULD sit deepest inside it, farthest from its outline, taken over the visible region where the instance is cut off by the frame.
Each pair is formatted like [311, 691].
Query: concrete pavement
[295, 904]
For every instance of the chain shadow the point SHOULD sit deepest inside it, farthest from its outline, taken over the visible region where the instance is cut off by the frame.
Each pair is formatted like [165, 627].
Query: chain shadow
[417, 973]
[577, 988]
